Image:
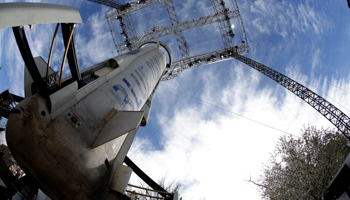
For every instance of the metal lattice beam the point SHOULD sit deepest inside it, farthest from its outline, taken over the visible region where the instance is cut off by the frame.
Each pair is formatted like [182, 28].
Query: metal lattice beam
[203, 59]
[122, 9]
[134, 6]
[222, 16]
[180, 38]
[110, 3]
[127, 31]
[159, 32]
[328, 110]
[224, 25]
[114, 30]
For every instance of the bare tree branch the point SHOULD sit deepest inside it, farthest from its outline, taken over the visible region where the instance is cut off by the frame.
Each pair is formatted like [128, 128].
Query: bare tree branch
[301, 168]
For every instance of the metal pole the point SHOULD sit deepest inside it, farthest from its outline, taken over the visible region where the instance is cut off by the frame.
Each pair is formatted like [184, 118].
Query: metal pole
[145, 177]
[49, 61]
[64, 56]
[28, 59]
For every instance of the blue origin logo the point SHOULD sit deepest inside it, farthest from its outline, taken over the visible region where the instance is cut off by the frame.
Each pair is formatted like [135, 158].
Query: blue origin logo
[139, 75]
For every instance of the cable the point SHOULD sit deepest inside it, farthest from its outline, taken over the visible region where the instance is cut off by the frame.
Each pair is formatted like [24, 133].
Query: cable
[274, 65]
[191, 96]
[286, 106]
[166, 121]
[170, 117]
[235, 113]
[315, 86]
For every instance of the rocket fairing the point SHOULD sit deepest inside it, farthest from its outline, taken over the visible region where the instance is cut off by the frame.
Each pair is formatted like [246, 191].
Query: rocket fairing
[74, 148]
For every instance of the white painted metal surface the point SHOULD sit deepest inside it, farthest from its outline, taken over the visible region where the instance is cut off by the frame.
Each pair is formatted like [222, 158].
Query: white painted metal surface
[63, 95]
[146, 111]
[103, 71]
[18, 14]
[121, 123]
[121, 178]
[28, 81]
[62, 139]
[176, 195]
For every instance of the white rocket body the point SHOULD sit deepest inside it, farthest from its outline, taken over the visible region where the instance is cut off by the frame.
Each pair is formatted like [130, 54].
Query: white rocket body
[75, 147]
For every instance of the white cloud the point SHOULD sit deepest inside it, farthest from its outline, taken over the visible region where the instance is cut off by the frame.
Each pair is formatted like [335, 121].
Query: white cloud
[94, 41]
[259, 25]
[212, 150]
[316, 61]
[285, 17]
[14, 63]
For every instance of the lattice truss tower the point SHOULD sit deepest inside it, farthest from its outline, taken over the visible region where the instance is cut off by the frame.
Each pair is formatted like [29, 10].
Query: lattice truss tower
[125, 37]
[222, 15]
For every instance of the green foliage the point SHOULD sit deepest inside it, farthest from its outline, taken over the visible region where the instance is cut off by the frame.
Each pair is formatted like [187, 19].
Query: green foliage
[302, 168]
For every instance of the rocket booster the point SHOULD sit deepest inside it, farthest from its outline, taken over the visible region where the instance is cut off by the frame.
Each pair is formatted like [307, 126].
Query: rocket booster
[75, 146]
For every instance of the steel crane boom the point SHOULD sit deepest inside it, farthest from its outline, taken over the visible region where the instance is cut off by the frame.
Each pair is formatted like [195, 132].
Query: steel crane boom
[328, 110]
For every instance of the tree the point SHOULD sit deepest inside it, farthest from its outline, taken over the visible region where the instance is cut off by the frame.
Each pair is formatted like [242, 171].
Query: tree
[302, 168]
[141, 194]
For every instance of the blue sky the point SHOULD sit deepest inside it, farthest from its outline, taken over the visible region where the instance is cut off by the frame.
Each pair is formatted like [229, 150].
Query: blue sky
[204, 141]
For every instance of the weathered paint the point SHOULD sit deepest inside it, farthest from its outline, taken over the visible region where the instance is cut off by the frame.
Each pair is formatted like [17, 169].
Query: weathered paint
[56, 147]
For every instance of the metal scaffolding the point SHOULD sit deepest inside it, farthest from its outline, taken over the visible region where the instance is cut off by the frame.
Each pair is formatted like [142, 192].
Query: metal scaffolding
[222, 15]
[224, 24]
[163, 31]
[204, 59]
[328, 110]
[131, 6]
[120, 18]
[180, 38]
[110, 3]
[128, 31]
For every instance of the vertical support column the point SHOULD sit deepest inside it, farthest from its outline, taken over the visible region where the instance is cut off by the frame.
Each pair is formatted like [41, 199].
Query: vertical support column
[28, 59]
[71, 55]
[114, 30]
[122, 14]
[128, 30]
[181, 41]
[224, 23]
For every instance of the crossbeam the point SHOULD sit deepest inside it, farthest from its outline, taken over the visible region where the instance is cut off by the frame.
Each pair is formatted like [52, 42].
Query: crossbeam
[184, 26]
[131, 7]
[203, 59]
[224, 25]
[109, 3]
[180, 38]
[223, 13]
